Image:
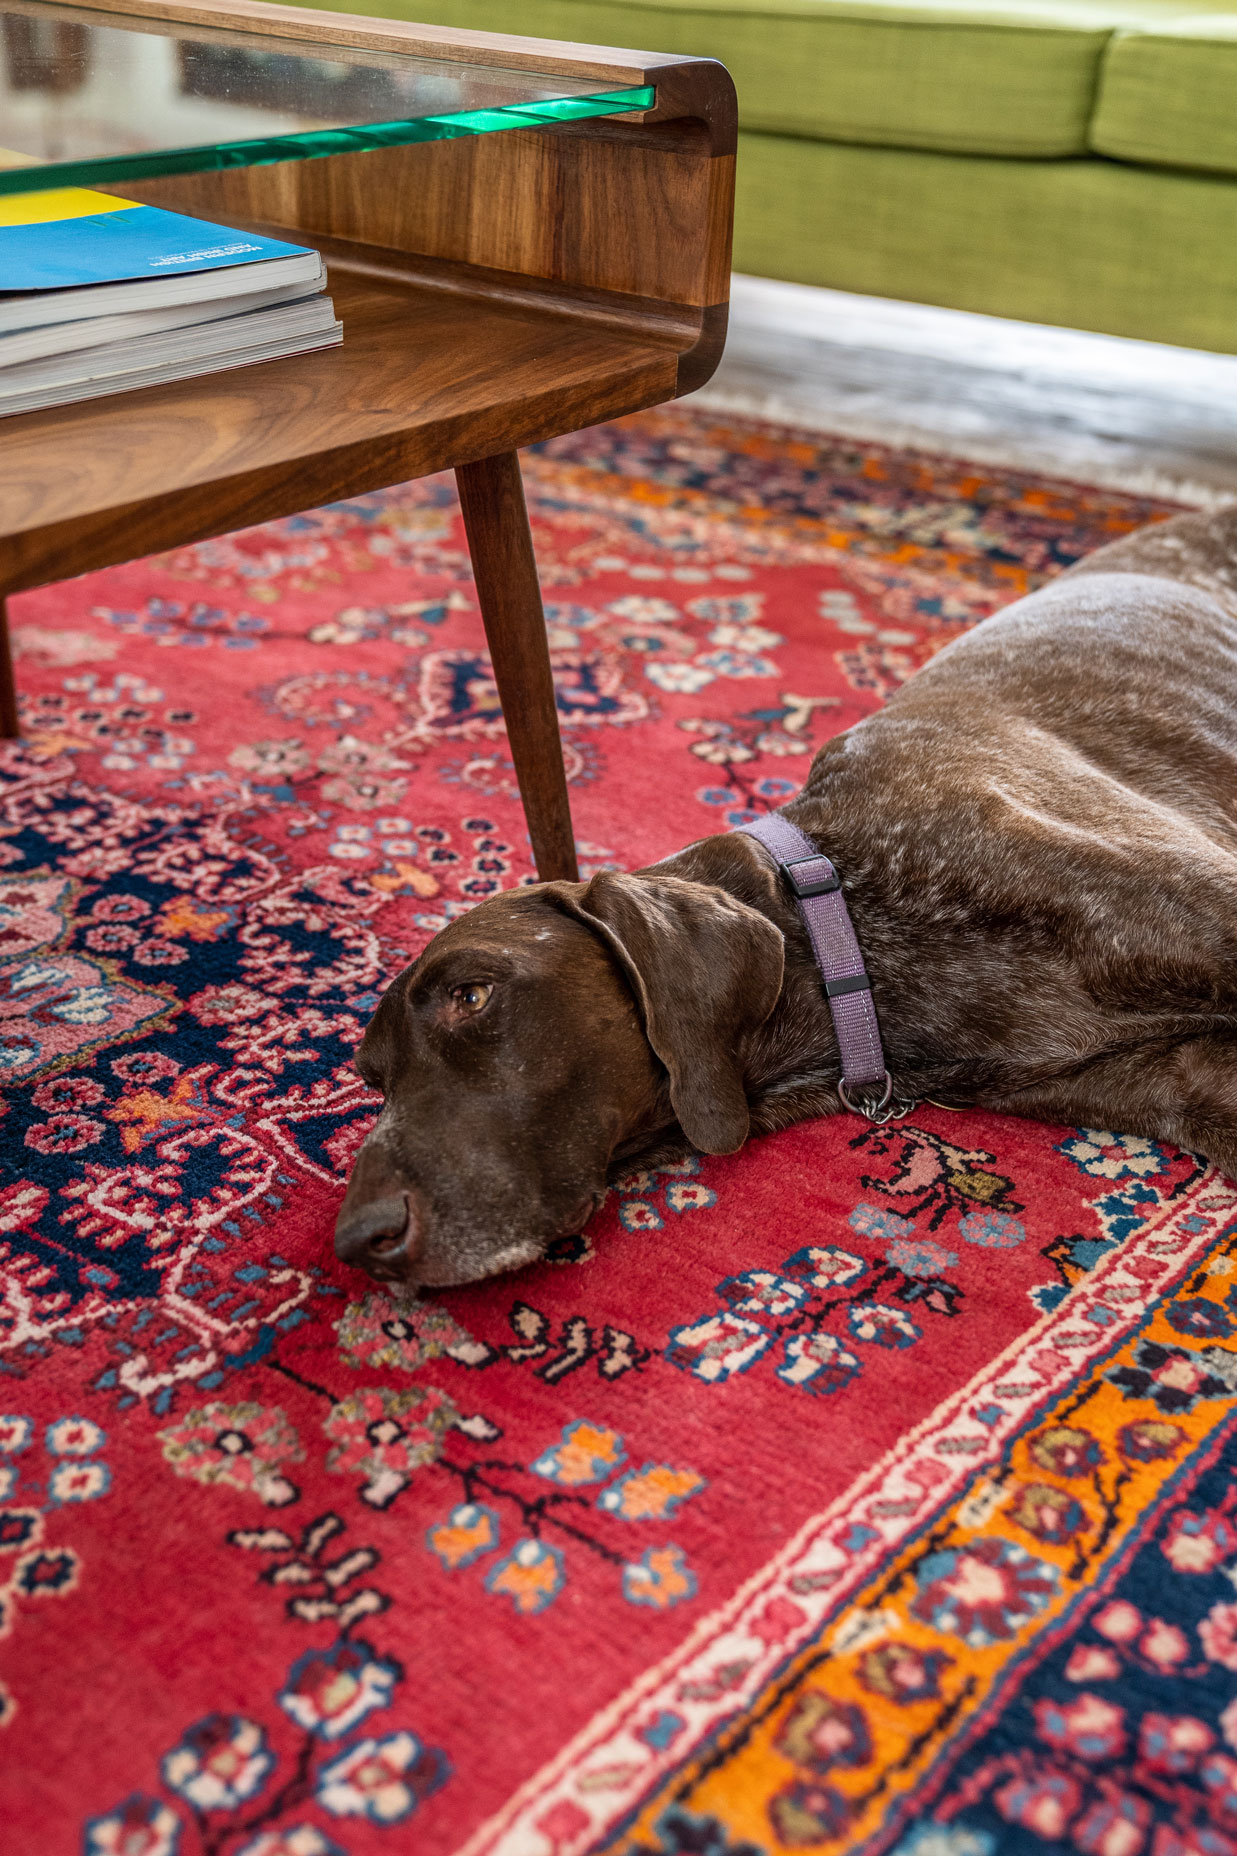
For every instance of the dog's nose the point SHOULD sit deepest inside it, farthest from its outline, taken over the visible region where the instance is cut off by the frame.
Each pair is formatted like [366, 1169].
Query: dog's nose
[382, 1236]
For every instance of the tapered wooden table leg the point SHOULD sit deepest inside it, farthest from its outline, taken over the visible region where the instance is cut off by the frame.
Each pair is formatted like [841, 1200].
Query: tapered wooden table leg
[496, 522]
[8, 685]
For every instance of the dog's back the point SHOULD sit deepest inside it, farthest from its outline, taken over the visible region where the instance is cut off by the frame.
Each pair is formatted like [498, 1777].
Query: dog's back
[1124, 669]
[1047, 812]
[1197, 550]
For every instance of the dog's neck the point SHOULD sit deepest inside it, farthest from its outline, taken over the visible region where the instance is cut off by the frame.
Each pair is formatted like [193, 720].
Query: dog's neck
[950, 1022]
[792, 1065]
[922, 973]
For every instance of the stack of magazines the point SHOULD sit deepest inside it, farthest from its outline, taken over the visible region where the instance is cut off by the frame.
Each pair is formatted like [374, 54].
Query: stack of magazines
[101, 295]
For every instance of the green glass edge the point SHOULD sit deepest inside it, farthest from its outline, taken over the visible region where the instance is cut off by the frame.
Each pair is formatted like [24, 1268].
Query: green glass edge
[262, 151]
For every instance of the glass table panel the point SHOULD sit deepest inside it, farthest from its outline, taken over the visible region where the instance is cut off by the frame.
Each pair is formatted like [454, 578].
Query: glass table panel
[83, 102]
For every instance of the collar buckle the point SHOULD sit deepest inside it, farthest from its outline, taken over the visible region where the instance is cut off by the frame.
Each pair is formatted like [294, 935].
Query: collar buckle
[798, 873]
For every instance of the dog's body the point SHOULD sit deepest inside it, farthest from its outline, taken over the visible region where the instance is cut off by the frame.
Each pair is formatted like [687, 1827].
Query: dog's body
[1037, 838]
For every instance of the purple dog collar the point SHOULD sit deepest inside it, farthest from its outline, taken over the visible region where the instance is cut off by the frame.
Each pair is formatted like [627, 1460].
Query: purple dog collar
[866, 1087]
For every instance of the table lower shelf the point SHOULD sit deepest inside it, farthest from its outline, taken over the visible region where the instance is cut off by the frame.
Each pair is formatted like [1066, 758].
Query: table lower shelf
[424, 379]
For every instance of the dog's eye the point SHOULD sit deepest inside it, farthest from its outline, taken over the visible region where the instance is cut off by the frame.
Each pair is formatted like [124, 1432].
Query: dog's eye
[473, 997]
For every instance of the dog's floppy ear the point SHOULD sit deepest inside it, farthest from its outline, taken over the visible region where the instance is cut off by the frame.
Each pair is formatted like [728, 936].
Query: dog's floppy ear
[706, 971]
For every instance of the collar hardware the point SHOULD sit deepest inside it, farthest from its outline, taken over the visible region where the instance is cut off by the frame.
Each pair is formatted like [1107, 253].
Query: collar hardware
[853, 982]
[866, 1087]
[805, 885]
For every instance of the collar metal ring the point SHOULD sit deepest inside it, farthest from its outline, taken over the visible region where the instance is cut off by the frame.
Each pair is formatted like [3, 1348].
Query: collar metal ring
[871, 1110]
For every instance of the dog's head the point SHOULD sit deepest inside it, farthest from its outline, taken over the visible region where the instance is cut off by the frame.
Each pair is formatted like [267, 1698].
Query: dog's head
[533, 1040]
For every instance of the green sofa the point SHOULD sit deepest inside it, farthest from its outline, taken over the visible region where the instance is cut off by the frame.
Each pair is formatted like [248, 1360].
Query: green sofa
[1059, 162]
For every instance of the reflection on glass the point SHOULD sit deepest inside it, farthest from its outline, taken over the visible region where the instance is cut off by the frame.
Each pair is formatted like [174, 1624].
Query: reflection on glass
[44, 54]
[82, 102]
[324, 89]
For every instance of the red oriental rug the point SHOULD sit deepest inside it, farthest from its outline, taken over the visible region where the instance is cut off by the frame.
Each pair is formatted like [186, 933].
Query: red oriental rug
[870, 1490]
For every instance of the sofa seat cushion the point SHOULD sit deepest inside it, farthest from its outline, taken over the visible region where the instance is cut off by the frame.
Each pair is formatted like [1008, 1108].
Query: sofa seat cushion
[995, 77]
[1168, 95]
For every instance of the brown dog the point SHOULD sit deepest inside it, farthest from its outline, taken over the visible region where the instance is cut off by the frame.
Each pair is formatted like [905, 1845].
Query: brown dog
[1037, 839]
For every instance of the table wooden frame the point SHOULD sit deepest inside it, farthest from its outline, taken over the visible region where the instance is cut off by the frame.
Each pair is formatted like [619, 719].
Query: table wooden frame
[495, 291]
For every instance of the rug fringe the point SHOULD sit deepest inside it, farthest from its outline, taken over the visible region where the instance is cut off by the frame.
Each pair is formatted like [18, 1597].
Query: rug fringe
[1066, 460]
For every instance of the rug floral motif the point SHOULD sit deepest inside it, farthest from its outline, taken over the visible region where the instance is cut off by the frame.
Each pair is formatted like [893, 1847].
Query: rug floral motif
[868, 1490]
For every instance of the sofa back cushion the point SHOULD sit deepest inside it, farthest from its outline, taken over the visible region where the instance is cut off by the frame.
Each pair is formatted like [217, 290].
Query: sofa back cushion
[980, 77]
[1007, 77]
[1168, 95]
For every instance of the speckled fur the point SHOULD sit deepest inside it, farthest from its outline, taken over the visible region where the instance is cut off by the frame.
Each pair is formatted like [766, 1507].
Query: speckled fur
[1037, 837]
[1038, 840]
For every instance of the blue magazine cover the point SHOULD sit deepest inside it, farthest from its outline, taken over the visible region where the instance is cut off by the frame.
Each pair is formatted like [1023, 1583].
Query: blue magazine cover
[69, 236]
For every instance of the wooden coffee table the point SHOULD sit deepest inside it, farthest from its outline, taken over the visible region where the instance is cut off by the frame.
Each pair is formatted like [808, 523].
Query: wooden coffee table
[524, 238]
